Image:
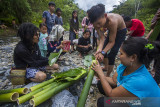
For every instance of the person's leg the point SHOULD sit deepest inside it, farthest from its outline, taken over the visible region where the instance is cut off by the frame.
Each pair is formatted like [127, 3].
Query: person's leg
[72, 37]
[80, 50]
[100, 102]
[53, 67]
[35, 75]
[39, 77]
[120, 37]
[105, 61]
[45, 53]
[100, 88]
[42, 53]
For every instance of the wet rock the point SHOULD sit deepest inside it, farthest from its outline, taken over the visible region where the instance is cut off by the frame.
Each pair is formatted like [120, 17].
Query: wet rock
[2, 73]
[64, 99]
[30, 85]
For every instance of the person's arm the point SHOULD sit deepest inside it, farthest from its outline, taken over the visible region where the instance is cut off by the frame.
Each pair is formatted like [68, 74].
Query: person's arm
[112, 37]
[101, 41]
[130, 32]
[80, 46]
[90, 26]
[133, 28]
[112, 80]
[149, 34]
[109, 91]
[83, 23]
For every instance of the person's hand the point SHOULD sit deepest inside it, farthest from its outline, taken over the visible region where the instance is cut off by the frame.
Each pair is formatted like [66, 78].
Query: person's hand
[97, 68]
[85, 46]
[98, 51]
[61, 46]
[100, 57]
[47, 37]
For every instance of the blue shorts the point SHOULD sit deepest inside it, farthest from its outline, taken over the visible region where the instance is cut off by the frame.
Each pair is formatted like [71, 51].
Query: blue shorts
[31, 72]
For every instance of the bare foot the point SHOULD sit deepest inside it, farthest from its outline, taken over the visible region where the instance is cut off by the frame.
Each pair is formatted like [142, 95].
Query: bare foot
[53, 67]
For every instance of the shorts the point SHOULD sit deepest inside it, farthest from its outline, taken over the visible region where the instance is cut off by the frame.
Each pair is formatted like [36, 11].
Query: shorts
[31, 72]
[120, 37]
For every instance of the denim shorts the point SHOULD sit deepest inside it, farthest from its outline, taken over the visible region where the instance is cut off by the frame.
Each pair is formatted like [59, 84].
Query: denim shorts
[31, 72]
[120, 37]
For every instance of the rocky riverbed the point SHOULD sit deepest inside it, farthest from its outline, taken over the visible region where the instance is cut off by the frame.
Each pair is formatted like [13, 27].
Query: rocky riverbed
[67, 98]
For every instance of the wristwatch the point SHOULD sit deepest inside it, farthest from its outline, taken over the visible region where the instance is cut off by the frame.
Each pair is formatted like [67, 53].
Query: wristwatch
[103, 53]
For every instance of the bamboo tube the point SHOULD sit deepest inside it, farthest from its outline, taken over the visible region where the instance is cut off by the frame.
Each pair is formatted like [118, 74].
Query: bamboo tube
[46, 89]
[18, 90]
[28, 96]
[86, 87]
[9, 97]
[41, 85]
[38, 100]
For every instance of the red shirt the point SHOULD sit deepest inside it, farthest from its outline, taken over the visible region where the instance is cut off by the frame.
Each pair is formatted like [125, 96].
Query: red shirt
[138, 28]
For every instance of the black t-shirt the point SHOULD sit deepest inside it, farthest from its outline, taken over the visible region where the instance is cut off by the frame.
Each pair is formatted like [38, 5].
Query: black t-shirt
[83, 41]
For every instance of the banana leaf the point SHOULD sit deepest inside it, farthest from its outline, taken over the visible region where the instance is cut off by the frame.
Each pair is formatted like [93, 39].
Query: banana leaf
[70, 75]
[54, 57]
[88, 60]
[40, 99]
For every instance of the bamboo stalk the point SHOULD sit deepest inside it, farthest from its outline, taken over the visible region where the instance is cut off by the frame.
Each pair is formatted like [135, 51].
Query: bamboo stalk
[28, 96]
[46, 89]
[86, 87]
[9, 97]
[18, 90]
[38, 100]
[41, 85]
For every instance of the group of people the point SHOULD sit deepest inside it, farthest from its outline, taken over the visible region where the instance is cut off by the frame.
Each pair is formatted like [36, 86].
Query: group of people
[132, 79]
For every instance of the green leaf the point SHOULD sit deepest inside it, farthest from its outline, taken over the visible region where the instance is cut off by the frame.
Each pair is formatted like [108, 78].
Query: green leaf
[54, 57]
[70, 75]
[88, 60]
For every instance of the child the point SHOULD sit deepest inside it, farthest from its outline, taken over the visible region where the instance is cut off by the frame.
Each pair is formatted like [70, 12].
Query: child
[54, 42]
[84, 43]
[59, 20]
[43, 39]
[74, 29]
[132, 78]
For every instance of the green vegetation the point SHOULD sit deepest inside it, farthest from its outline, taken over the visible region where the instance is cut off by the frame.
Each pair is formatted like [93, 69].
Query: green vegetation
[140, 9]
[32, 10]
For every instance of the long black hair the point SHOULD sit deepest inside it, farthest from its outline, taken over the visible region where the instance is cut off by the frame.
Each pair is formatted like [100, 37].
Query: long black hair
[73, 16]
[26, 32]
[144, 49]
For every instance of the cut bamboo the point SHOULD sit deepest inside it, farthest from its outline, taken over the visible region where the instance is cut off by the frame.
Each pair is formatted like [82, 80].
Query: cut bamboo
[9, 97]
[86, 87]
[18, 90]
[40, 99]
[28, 96]
[46, 89]
[41, 85]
